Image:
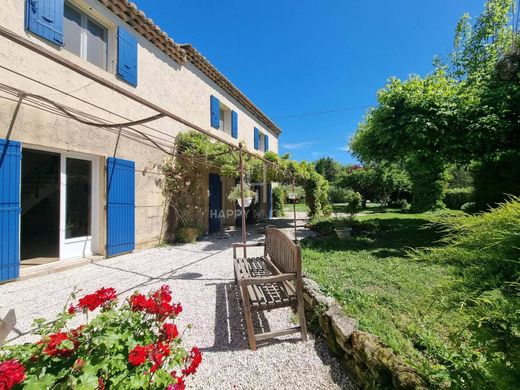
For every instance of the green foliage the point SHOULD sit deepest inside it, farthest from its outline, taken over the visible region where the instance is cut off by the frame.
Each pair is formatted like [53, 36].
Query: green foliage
[339, 194]
[496, 178]
[454, 198]
[469, 208]
[375, 182]
[488, 278]
[100, 352]
[351, 202]
[294, 191]
[428, 179]
[328, 168]
[459, 176]
[236, 193]
[279, 201]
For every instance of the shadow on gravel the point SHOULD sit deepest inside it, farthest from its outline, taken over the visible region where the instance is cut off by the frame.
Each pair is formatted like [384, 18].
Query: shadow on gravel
[230, 327]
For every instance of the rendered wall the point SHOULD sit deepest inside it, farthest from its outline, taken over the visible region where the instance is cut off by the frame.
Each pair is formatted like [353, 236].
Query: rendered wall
[183, 90]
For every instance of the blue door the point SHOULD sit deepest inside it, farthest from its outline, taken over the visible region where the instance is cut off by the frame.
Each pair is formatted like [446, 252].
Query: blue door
[10, 161]
[215, 202]
[120, 206]
[269, 201]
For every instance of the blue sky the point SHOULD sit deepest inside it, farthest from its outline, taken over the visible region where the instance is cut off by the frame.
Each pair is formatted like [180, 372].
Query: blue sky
[295, 57]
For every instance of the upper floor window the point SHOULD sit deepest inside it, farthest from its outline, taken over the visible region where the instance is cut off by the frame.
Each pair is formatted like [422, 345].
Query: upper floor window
[84, 37]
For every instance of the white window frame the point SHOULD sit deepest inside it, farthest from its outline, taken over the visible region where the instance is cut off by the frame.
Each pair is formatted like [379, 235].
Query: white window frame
[85, 16]
[225, 119]
[261, 141]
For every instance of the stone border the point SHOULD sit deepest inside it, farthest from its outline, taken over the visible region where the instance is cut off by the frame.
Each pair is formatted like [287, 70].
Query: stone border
[370, 363]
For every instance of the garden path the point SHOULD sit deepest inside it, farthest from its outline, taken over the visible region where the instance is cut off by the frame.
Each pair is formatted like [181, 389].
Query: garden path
[200, 276]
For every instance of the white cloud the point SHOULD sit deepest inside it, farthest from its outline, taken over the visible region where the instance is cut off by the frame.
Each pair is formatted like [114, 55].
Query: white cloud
[344, 148]
[299, 145]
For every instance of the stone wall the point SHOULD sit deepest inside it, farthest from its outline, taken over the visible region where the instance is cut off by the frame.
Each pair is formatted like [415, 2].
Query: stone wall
[370, 363]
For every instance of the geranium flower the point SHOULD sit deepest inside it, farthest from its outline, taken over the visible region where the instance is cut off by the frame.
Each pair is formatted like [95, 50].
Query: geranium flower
[169, 331]
[100, 297]
[53, 348]
[138, 355]
[11, 373]
[195, 360]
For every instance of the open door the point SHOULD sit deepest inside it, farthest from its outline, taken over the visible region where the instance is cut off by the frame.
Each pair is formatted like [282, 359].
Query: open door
[10, 163]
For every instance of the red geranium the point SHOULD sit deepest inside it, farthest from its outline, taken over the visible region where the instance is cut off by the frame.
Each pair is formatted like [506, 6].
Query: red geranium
[195, 360]
[11, 373]
[100, 297]
[53, 345]
[138, 355]
[157, 303]
[169, 331]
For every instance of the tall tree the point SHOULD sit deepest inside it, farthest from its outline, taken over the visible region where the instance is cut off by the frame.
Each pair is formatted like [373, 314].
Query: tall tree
[328, 168]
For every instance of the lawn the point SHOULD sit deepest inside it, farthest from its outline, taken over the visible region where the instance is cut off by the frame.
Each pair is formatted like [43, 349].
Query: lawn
[401, 300]
[300, 207]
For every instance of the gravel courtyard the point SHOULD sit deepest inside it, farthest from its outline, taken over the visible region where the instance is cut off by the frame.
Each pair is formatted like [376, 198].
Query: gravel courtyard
[200, 276]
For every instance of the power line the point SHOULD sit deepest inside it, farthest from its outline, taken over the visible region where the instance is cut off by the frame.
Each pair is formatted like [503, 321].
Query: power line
[321, 112]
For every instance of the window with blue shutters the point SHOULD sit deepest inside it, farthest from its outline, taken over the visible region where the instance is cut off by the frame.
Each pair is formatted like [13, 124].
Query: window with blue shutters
[45, 19]
[234, 124]
[214, 112]
[120, 206]
[266, 143]
[10, 165]
[126, 56]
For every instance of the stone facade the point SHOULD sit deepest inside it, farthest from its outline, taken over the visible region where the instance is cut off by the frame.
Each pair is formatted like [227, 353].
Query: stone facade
[366, 359]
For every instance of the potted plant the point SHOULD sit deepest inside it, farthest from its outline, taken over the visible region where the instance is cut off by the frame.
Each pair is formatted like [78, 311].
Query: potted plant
[352, 207]
[235, 195]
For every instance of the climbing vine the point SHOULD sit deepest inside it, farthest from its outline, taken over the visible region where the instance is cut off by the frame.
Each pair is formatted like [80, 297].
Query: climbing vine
[196, 154]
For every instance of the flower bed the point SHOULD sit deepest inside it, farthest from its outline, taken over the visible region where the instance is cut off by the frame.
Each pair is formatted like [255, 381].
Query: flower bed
[134, 345]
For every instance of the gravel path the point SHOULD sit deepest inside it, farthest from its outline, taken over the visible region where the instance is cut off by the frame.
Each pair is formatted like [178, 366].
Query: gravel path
[200, 276]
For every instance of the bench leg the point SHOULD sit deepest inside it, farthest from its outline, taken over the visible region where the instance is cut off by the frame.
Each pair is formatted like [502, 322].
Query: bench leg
[249, 318]
[301, 313]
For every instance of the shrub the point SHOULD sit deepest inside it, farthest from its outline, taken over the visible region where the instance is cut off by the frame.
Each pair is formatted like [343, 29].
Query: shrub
[495, 179]
[399, 204]
[339, 194]
[454, 198]
[485, 248]
[278, 201]
[469, 208]
[134, 345]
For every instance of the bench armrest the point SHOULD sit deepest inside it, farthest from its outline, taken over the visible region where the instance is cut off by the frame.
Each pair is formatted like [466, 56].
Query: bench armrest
[241, 245]
[266, 279]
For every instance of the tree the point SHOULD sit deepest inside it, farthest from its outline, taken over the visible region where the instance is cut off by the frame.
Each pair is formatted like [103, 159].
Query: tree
[375, 182]
[328, 168]
[460, 112]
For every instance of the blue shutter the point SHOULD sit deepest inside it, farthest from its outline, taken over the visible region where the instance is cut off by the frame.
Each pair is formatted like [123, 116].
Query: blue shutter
[214, 112]
[234, 124]
[10, 157]
[45, 18]
[126, 56]
[266, 143]
[120, 206]
[257, 139]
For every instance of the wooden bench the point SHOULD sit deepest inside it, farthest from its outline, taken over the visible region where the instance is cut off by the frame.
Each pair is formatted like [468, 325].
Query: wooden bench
[271, 281]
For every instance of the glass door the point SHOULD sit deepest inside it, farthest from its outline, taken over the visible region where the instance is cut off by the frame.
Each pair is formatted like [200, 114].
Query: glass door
[77, 207]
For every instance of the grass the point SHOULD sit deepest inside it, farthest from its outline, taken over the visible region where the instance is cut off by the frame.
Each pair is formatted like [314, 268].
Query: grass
[401, 300]
[300, 207]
